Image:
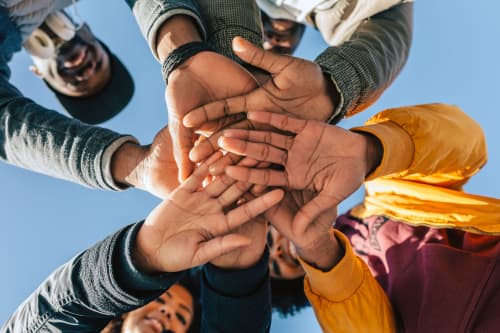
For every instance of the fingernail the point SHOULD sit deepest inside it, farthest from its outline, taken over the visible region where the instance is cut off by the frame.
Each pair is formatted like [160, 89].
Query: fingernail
[192, 156]
[221, 141]
[237, 44]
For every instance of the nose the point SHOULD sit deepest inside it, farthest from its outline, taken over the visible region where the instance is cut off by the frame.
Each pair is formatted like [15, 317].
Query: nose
[167, 312]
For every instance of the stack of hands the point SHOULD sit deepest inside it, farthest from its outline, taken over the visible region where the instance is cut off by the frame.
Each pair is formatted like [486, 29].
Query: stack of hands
[247, 151]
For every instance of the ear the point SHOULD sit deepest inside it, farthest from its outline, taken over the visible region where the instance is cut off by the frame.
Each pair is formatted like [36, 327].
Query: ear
[36, 71]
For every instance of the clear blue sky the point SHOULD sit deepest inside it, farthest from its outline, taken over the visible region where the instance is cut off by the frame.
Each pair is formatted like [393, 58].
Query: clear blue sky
[46, 221]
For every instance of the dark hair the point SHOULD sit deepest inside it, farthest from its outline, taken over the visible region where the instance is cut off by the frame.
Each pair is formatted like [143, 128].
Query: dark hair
[191, 283]
[287, 296]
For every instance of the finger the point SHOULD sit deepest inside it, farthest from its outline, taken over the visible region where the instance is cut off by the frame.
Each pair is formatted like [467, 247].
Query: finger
[279, 121]
[217, 247]
[207, 147]
[275, 139]
[258, 189]
[194, 182]
[219, 185]
[182, 139]
[259, 151]
[310, 211]
[209, 128]
[233, 193]
[266, 60]
[251, 209]
[216, 110]
[266, 177]
[218, 167]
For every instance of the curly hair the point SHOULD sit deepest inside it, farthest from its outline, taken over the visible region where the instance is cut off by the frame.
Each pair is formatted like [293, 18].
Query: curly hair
[287, 296]
[191, 283]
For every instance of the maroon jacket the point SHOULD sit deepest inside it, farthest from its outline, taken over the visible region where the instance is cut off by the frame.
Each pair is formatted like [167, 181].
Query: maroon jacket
[438, 280]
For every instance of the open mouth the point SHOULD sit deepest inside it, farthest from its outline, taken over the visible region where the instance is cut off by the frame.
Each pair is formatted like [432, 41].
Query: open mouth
[77, 63]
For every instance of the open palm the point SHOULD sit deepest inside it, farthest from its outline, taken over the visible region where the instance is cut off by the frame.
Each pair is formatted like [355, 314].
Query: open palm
[325, 159]
[191, 228]
[205, 77]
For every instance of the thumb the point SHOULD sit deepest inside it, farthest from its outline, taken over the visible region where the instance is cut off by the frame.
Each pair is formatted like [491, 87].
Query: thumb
[256, 56]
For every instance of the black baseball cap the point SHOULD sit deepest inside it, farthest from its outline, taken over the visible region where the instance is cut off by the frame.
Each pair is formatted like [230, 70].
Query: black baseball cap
[108, 102]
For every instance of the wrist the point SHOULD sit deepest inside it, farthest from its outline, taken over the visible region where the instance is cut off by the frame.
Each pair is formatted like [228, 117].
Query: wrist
[142, 254]
[125, 164]
[324, 254]
[373, 153]
[176, 31]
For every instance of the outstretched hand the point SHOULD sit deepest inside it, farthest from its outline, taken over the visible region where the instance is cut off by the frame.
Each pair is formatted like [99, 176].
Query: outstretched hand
[296, 87]
[318, 157]
[151, 168]
[203, 78]
[190, 228]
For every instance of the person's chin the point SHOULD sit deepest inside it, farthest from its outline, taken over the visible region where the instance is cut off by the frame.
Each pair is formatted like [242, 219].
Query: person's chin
[150, 326]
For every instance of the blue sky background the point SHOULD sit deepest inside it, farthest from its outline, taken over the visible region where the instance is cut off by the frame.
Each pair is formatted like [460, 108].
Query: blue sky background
[46, 221]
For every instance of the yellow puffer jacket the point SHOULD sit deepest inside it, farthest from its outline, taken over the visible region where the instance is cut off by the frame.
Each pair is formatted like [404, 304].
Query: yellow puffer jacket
[430, 151]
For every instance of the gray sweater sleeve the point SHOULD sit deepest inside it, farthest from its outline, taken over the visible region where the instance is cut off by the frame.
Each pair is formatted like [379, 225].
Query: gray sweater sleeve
[150, 16]
[364, 66]
[96, 286]
[43, 140]
[218, 21]
[226, 19]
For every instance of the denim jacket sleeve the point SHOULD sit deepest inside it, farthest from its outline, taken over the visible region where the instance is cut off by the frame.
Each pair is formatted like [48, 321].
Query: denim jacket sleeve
[91, 289]
[45, 141]
[365, 65]
[218, 20]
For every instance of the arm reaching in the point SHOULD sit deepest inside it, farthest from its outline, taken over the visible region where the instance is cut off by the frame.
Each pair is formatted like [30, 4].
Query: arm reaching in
[295, 87]
[197, 81]
[193, 219]
[322, 158]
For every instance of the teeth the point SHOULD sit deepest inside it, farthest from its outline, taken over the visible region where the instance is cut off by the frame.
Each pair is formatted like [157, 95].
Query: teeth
[77, 61]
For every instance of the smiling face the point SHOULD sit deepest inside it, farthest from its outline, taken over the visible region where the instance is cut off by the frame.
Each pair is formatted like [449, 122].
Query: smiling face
[283, 263]
[80, 67]
[172, 312]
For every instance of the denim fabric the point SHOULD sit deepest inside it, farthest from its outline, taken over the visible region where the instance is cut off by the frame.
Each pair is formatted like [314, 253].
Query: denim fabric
[43, 140]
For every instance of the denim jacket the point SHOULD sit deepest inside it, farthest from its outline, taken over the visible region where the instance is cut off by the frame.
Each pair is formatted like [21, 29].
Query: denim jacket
[102, 283]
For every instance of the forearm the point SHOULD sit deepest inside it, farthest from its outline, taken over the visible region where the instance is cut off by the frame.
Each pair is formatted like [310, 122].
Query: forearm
[236, 301]
[96, 286]
[417, 146]
[45, 141]
[347, 298]
[364, 66]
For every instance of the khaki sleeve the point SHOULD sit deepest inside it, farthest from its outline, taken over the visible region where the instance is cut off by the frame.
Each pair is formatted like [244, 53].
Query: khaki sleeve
[348, 298]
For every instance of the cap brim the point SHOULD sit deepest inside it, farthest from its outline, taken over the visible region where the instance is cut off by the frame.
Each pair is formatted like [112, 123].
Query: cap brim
[108, 102]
